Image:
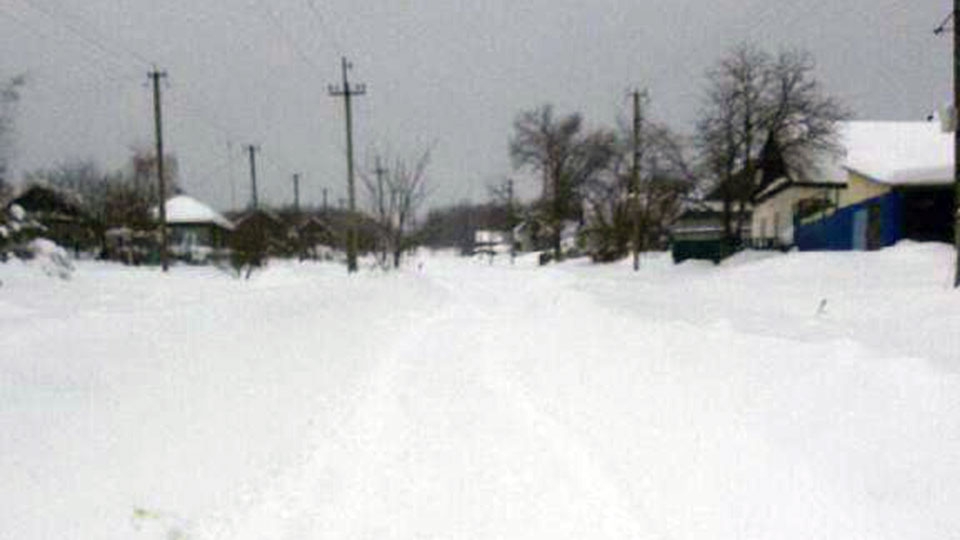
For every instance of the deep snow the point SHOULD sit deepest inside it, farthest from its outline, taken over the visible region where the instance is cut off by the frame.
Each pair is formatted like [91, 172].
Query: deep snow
[776, 396]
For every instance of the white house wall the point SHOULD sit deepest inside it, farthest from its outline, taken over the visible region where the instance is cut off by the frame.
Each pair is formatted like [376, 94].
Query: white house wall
[773, 218]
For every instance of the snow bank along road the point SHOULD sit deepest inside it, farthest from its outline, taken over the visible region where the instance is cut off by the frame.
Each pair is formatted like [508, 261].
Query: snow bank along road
[476, 401]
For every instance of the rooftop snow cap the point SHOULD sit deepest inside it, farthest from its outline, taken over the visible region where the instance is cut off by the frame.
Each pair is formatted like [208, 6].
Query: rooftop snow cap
[185, 209]
[899, 153]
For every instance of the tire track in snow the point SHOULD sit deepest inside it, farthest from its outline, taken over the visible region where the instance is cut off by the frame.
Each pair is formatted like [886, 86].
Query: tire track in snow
[443, 444]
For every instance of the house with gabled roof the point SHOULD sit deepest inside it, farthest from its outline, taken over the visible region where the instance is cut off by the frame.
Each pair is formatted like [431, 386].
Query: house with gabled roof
[60, 216]
[194, 229]
[890, 181]
[266, 229]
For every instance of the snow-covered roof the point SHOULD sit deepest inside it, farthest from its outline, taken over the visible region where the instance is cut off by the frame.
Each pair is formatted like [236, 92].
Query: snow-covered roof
[489, 237]
[895, 153]
[185, 209]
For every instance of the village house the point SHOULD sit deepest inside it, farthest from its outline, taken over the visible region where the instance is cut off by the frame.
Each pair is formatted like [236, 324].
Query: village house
[195, 231]
[314, 238]
[892, 181]
[267, 229]
[60, 216]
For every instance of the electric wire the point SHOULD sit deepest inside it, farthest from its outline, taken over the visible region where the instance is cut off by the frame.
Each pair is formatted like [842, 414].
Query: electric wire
[111, 68]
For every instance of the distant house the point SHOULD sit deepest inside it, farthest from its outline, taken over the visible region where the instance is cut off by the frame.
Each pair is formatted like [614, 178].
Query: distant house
[491, 242]
[314, 236]
[267, 229]
[130, 246]
[61, 217]
[526, 236]
[892, 181]
[195, 230]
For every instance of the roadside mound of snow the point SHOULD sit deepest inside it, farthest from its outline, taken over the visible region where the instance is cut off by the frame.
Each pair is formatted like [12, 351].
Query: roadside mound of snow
[750, 256]
[899, 299]
[52, 259]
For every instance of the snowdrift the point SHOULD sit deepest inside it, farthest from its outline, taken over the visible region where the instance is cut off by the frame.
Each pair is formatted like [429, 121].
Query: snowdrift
[807, 395]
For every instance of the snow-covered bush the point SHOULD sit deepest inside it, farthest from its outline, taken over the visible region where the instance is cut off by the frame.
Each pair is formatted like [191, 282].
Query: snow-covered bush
[16, 231]
[19, 237]
[51, 258]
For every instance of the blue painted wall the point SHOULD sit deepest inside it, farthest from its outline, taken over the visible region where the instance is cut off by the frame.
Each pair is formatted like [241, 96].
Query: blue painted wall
[836, 232]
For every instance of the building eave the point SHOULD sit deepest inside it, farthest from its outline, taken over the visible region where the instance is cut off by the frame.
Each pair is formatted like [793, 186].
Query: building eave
[769, 194]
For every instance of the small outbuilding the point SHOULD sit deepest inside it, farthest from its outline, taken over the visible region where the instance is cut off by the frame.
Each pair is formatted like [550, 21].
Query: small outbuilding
[195, 231]
[699, 233]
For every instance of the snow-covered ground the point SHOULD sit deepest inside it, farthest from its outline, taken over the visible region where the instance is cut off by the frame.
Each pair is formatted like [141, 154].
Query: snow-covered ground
[776, 396]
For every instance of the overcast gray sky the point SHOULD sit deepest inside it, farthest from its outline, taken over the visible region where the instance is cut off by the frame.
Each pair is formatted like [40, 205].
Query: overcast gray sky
[445, 71]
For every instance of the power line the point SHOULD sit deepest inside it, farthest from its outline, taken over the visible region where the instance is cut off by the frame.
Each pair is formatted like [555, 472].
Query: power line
[113, 69]
[286, 37]
[201, 116]
[112, 64]
[942, 27]
[311, 5]
[122, 72]
[96, 42]
[105, 53]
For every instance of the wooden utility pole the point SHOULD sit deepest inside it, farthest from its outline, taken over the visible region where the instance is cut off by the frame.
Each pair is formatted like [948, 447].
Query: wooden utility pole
[296, 192]
[635, 175]
[252, 150]
[347, 92]
[956, 140]
[954, 123]
[382, 217]
[511, 221]
[324, 201]
[233, 184]
[380, 171]
[155, 76]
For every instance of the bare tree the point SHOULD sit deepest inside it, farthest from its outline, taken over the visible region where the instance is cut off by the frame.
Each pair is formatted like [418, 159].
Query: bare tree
[760, 109]
[665, 177]
[115, 199]
[82, 180]
[565, 156]
[609, 209]
[407, 188]
[396, 194]
[376, 189]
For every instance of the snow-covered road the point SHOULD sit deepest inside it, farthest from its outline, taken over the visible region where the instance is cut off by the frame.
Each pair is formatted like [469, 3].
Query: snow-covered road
[468, 400]
[446, 442]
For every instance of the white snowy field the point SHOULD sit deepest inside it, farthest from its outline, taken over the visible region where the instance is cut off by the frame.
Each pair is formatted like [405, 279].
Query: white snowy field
[776, 396]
